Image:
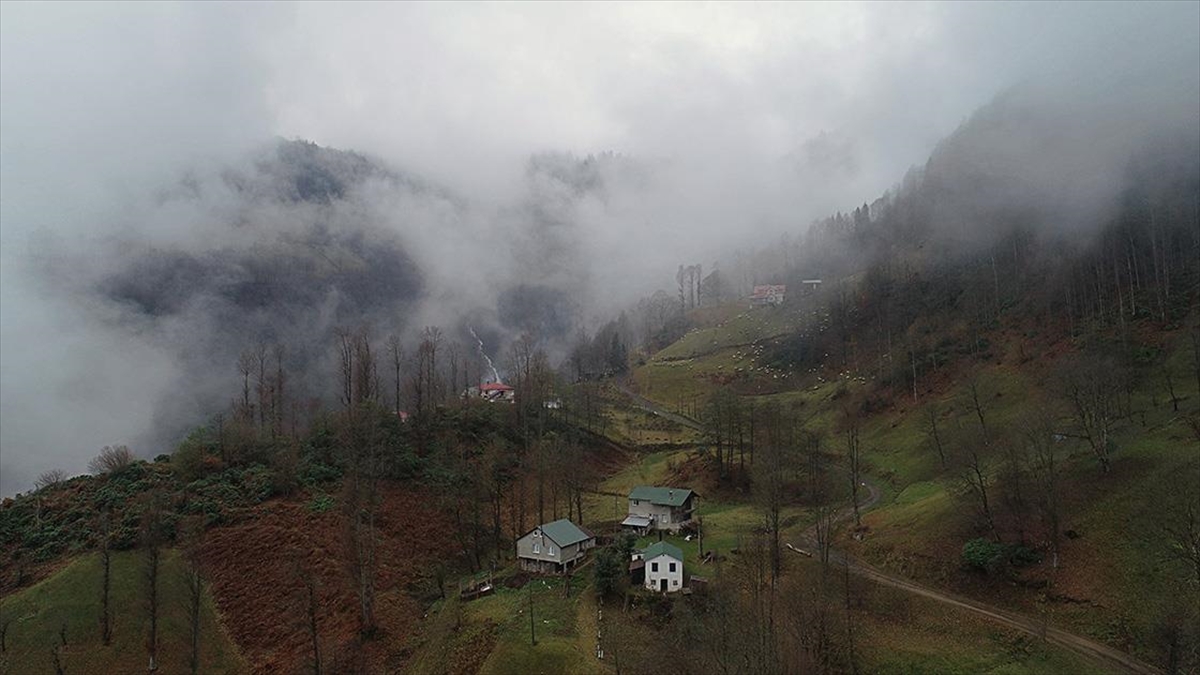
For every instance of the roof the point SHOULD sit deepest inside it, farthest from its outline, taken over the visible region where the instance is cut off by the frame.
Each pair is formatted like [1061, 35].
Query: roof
[564, 532]
[769, 290]
[661, 495]
[662, 548]
[494, 386]
[636, 521]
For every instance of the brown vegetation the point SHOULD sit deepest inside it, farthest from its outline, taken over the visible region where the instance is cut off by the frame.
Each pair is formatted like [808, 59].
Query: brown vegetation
[252, 568]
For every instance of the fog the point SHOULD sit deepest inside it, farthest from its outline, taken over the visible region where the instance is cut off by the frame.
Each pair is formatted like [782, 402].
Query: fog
[139, 140]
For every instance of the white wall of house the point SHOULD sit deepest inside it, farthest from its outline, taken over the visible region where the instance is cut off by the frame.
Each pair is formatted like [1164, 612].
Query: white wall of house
[665, 517]
[660, 569]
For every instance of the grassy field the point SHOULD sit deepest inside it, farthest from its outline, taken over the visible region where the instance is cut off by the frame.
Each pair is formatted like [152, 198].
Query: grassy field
[904, 635]
[634, 427]
[491, 635]
[917, 529]
[924, 517]
[71, 599]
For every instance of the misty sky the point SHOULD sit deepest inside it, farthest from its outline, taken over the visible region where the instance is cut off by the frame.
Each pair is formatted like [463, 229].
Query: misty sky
[768, 115]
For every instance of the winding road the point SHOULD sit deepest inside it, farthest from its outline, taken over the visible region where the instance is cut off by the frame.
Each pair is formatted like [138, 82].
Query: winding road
[1103, 656]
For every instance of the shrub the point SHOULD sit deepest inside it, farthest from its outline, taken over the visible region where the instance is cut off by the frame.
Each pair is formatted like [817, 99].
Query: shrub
[982, 554]
[320, 503]
[112, 459]
[50, 479]
[990, 556]
[315, 473]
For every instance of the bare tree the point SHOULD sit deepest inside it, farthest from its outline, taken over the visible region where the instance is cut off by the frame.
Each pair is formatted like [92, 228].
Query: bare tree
[5, 622]
[1194, 336]
[931, 431]
[1092, 387]
[361, 442]
[973, 471]
[345, 342]
[1013, 486]
[152, 543]
[278, 401]
[50, 479]
[193, 583]
[426, 381]
[853, 460]
[824, 509]
[261, 386]
[1169, 382]
[1044, 446]
[772, 468]
[245, 366]
[396, 353]
[112, 458]
[311, 603]
[975, 403]
[105, 581]
[1179, 517]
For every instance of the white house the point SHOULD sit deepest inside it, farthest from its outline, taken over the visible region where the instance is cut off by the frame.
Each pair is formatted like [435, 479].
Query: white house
[664, 568]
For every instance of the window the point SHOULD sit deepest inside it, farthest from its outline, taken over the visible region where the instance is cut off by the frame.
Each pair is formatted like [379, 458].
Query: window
[550, 549]
[537, 546]
[676, 582]
[666, 518]
[672, 567]
[653, 567]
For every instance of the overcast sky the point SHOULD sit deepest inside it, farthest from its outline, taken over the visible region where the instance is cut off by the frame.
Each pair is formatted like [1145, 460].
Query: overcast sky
[781, 112]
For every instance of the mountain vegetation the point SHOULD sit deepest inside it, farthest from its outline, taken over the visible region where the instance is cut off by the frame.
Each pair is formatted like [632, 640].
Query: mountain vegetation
[991, 396]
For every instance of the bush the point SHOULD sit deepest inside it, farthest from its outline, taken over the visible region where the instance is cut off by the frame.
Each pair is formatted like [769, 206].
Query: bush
[982, 554]
[112, 459]
[990, 556]
[320, 503]
[315, 473]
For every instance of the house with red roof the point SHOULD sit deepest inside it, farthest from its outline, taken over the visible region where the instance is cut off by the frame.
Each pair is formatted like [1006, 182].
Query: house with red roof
[497, 391]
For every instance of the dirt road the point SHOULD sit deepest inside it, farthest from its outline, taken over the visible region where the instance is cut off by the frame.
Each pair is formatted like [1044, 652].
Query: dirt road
[1112, 660]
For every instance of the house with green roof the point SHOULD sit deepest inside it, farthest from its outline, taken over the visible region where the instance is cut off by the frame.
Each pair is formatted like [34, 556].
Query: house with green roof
[659, 508]
[663, 567]
[553, 548]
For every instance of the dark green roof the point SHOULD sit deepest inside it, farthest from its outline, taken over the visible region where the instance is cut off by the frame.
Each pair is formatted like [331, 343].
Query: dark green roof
[564, 532]
[661, 495]
[660, 548]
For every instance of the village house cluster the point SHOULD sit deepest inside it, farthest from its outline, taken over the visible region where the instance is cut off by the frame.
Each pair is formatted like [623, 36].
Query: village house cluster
[560, 546]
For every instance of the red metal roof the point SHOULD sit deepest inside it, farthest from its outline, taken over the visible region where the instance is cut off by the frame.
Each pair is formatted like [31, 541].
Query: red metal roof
[494, 386]
[761, 292]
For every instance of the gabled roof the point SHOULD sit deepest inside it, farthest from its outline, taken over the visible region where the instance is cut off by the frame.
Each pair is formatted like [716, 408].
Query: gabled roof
[662, 548]
[661, 495]
[762, 292]
[564, 532]
[494, 386]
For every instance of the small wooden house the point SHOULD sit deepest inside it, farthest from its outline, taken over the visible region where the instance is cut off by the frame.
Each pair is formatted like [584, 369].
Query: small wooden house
[554, 548]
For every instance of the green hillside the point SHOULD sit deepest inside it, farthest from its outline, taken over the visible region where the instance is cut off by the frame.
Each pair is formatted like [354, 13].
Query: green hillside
[68, 603]
[1119, 581]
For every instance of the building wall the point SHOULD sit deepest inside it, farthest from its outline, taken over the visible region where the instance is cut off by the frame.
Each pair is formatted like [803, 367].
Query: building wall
[560, 556]
[665, 517]
[655, 511]
[653, 577]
